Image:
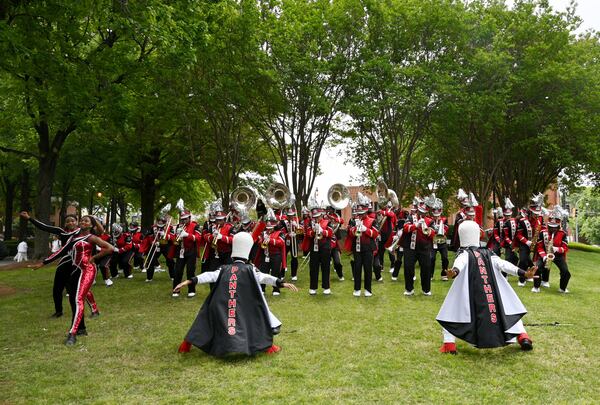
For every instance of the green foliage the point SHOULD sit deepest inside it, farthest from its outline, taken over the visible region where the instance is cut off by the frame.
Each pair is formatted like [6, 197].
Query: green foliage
[335, 349]
[587, 203]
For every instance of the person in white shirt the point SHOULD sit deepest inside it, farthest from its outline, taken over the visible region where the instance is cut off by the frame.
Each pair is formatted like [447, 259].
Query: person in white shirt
[21, 252]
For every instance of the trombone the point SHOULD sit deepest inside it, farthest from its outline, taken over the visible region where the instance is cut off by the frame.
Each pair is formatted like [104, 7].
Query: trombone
[154, 248]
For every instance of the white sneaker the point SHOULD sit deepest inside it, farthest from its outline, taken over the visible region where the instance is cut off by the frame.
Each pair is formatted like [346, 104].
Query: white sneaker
[190, 295]
[565, 291]
[94, 283]
[130, 276]
[394, 278]
[148, 280]
[530, 280]
[108, 282]
[136, 268]
[535, 290]
[546, 284]
[368, 293]
[312, 292]
[342, 278]
[144, 270]
[175, 295]
[414, 278]
[327, 291]
[391, 270]
[411, 292]
[158, 268]
[294, 278]
[428, 293]
[521, 284]
[380, 280]
[444, 278]
[356, 293]
[276, 293]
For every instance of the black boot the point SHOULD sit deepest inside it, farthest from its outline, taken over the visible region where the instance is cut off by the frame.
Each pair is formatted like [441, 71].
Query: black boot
[71, 340]
[57, 314]
[95, 314]
[82, 332]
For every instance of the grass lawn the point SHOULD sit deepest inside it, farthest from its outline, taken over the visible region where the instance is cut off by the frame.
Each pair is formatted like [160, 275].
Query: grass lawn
[335, 349]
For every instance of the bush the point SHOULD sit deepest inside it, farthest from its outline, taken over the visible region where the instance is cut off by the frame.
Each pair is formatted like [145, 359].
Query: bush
[584, 247]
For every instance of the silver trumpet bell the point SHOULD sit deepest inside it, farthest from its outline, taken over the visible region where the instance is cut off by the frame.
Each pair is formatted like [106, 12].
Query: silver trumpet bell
[243, 198]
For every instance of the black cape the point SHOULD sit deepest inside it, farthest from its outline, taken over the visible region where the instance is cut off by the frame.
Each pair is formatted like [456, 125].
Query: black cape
[234, 317]
[481, 331]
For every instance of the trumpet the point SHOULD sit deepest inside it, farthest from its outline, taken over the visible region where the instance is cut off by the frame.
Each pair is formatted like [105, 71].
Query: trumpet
[395, 241]
[318, 230]
[215, 240]
[265, 242]
[358, 224]
[424, 228]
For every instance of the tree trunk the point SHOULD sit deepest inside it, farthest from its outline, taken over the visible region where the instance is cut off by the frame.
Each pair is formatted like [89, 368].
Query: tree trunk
[122, 210]
[25, 205]
[148, 195]
[113, 212]
[47, 163]
[9, 199]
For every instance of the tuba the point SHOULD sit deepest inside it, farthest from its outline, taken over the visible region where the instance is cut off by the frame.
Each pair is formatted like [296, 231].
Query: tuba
[278, 196]
[382, 192]
[549, 252]
[243, 199]
[338, 196]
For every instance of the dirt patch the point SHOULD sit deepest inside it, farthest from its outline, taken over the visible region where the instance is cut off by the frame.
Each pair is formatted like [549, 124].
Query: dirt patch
[5, 290]
[15, 265]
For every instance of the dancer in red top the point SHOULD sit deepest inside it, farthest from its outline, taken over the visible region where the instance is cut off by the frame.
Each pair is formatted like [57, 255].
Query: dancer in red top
[81, 249]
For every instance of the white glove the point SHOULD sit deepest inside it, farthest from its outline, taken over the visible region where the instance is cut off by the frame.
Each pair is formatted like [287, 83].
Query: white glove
[295, 224]
[184, 234]
[161, 234]
[267, 240]
[157, 243]
[218, 236]
[362, 228]
[292, 234]
[545, 259]
[554, 249]
[528, 243]
[115, 249]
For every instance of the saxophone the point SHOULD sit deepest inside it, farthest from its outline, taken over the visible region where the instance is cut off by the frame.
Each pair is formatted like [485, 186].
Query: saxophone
[534, 238]
[549, 252]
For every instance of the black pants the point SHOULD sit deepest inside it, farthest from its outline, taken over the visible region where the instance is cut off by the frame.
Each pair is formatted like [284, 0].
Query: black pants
[138, 259]
[510, 256]
[294, 265]
[72, 283]
[443, 250]
[162, 250]
[320, 259]
[424, 258]
[363, 261]
[216, 262]
[104, 267]
[378, 265]
[544, 274]
[524, 260]
[123, 260]
[189, 262]
[398, 262]
[272, 267]
[381, 251]
[61, 282]
[337, 262]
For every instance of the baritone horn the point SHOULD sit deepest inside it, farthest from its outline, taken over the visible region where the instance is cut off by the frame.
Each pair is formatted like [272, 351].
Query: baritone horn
[338, 196]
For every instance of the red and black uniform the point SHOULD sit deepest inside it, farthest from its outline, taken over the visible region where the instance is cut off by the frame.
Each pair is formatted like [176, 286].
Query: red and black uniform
[417, 247]
[185, 251]
[510, 240]
[386, 232]
[65, 265]
[136, 240]
[221, 248]
[335, 222]
[292, 226]
[364, 248]
[82, 279]
[496, 239]
[460, 216]
[207, 251]
[440, 225]
[399, 251]
[559, 246]
[271, 256]
[123, 257]
[158, 241]
[525, 232]
[104, 263]
[320, 253]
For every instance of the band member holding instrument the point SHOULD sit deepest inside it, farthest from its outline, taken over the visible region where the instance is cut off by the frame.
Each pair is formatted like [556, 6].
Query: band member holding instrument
[220, 240]
[122, 257]
[386, 223]
[495, 241]
[463, 199]
[419, 236]
[317, 241]
[361, 241]
[186, 243]
[136, 242]
[440, 224]
[291, 241]
[530, 225]
[552, 248]
[335, 222]
[207, 252]
[510, 233]
[159, 241]
[271, 256]
[397, 247]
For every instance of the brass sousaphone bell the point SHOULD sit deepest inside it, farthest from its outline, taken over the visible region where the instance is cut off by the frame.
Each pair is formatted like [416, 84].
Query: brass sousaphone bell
[384, 194]
[338, 196]
[243, 198]
[278, 196]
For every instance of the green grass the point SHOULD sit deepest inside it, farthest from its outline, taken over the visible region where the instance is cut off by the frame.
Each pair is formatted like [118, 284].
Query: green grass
[336, 349]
